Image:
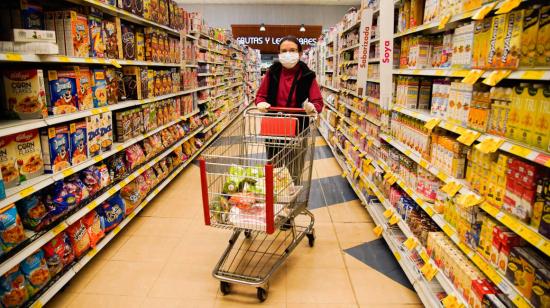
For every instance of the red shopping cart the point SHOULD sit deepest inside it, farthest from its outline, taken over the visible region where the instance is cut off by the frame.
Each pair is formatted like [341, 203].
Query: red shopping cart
[256, 179]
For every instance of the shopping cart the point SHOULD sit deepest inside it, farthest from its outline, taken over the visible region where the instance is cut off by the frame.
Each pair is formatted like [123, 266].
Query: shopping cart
[255, 180]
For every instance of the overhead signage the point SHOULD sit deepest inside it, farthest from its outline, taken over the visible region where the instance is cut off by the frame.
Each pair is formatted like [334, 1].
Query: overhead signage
[268, 41]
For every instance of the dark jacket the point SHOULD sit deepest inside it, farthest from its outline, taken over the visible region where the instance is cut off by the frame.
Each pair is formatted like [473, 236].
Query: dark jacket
[303, 85]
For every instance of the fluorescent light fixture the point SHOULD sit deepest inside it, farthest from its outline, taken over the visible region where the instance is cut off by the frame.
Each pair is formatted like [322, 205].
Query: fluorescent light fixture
[302, 28]
[262, 27]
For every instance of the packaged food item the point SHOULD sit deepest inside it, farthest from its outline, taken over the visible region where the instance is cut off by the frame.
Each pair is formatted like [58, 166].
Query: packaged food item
[132, 82]
[105, 176]
[543, 37]
[106, 131]
[93, 225]
[32, 15]
[56, 149]
[112, 86]
[541, 289]
[93, 130]
[77, 35]
[128, 41]
[25, 93]
[58, 253]
[8, 165]
[496, 41]
[131, 196]
[150, 10]
[11, 228]
[91, 177]
[110, 36]
[111, 212]
[33, 212]
[29, 154]
[63, 91]
[36, 271]
[511, 50]
[74, 187]
[117, 168]
[99, 88]
[84, 88]
[13, 288]
[79, 237]
[79, 136]
[140, 46]
[529, 36]
[96, 37]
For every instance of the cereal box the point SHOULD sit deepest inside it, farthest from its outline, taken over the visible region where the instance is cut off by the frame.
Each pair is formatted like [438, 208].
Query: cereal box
[63, 92]
[123, 126]
[56, 149]
[29, 154]
[25, 93]
[106, 131]
[79, 150]
[140, 46]
[543, 37]
[529, 37]
[112, 85]
[96, 37]
[77, 34]
[540, 297]
[32, 15]
[150, 8]
[60, 32]
[94, 135]
[110, 37]
[128, 42]
[84, 88]
[99, 88]
[132, 82]
[10, 174]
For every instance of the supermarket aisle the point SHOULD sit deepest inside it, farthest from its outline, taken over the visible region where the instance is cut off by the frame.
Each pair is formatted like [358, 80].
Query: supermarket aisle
[165, 256]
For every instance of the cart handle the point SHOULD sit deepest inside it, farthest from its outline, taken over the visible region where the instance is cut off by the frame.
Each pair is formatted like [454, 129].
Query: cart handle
[287, 109]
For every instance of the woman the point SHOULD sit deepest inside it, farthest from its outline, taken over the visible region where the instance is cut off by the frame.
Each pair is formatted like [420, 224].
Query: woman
[290, 83]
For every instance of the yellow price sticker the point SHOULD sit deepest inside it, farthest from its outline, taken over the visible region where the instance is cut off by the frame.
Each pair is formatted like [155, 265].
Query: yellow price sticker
[520, 151]
[344, 174]
[67, 172]
[408, 152]
[468, 200]
[472, 76]
[63, 59]
[57, 229]
[432, 123]
[440, 72]
[387, 213]
[361, 118]
[394, 219]
[496, 76]
[367, 161]
[410, 243]
[116, 230]
[357, 173]
[26, 192]
[365, 99]
[369, 143]
[451, 188]
[397, 255]
[489, 145]
[443, 21]
[426, 268]
[356, 100]
[362, 154]
[424, 256]
[442, 176]
[482, 12]
[392, 180]
[98, 158]
[533, 75]
[355, 148]
[37, 304]
[449, 302]
[92, 205]
[112, 191]
[423, 163]
[468, 137]
[430, 211]
[14, 57]
[378, 230]
[507, 6]
[448, 230]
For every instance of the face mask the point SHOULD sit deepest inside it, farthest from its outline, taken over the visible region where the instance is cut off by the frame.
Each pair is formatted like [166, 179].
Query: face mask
[289, 59]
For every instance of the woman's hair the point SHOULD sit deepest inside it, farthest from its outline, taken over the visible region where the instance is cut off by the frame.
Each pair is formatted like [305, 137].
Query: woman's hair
[293, 39]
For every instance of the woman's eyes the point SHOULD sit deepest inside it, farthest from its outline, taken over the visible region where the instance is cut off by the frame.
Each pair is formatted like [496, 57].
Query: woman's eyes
[292, 50]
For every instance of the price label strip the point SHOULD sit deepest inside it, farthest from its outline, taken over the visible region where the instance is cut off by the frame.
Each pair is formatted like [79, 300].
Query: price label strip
[468, 137]
[472, 76]
[410, 243]
[451, 188]
[482, 12]
[432, 123]
[489, 145]
[496, 76]
[378, 230]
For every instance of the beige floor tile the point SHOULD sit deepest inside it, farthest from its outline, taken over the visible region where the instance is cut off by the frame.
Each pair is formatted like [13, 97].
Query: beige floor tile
[355, 232]
[61, 299]
[351, 211]
[124, 278]
[322, 255]
[251, 301]
[373, 288]
[193, 250]
[85, 275]
[324, 232]
[179, 280]
[322, 215]
[114, 245]
[305, 286]
[104, 300]
[146, 249]
[327, 167]
[391, 306]
[158, 302]
[159, 226]
[304, 305]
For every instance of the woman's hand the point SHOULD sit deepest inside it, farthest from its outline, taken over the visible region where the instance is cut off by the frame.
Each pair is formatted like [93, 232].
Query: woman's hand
[309, 107]
[263, 106]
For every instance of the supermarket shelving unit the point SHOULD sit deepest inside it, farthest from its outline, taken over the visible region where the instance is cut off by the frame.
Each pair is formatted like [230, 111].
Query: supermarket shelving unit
[355, 124]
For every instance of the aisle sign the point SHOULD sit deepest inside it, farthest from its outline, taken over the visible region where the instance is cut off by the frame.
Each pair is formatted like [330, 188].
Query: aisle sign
[365, 32]
[386, 53]
[268, 41]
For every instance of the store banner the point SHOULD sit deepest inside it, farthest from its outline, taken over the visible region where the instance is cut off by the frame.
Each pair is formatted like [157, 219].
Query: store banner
[386, 53]
[268, 41]
[365, 32]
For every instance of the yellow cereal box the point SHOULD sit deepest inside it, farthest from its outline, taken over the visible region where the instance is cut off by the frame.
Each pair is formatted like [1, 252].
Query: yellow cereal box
[543, 37]
[512, 40]
[25, 93]
[529, 37]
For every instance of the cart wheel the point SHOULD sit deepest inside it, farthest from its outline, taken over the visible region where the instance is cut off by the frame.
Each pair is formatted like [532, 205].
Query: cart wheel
[311, 238]
[262, 294]
[248, 234]
[225, 287]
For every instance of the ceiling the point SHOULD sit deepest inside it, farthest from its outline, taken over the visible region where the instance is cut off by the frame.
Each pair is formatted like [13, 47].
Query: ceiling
[273, 2]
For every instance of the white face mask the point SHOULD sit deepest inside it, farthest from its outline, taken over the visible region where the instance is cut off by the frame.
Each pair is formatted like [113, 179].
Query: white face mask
[289, 59]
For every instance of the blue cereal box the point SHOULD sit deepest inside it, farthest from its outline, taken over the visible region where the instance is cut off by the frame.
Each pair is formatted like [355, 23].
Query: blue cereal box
[79, 136]
[56, 149]
[97, 49]
[99, 88]
[62, 92]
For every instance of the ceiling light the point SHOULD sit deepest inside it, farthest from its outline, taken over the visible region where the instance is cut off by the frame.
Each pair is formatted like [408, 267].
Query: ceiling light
[302, 28]
[262, 27]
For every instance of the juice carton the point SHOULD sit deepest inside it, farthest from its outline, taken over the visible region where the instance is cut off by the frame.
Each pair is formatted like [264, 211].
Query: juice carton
[63, 91]
[84, 88]
[96, 37]
[431, 10]
[540, 297]
[417, 13]
[543, 37]
[79, 136]
[25, 93]
[77, 36]
[529, 36]
[527, 112]
[496, 41]
[99, 88]
[56, 149]
[512, 40]
[508, 240]
[541, 122]
[93, 129]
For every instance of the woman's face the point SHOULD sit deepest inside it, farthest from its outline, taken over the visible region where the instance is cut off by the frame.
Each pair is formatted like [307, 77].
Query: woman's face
[288, 46]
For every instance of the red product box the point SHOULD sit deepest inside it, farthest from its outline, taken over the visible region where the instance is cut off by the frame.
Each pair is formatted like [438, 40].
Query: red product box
[508, 240]
[496, 243]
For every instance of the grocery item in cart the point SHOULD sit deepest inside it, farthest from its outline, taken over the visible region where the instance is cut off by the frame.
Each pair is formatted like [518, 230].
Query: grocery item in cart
[25, 93]
[13, 288]
[11, 228]
[254, 217]
[35, 269]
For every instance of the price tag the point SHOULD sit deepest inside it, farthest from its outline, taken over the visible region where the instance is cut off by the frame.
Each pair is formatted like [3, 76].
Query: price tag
[397, 256]
[468, 200]
[423, 163]
[92, 252]
[392, 180]
[442, 176]
[355, 148]
[451, 188]
[367, 161]
[57, 229]
[378, 230]
[37, 304]
[387, 213]
[468, 137]
[116, 230]
[344, 174]
[426, 268]
[394, 219]
[432, 123]
[26, 192]
[92, 205]
[67, 172]
[408, 152]
[448, 230]
[14, 57]
[443, 21]
[357, 173]
[365, 99]
[520, 151]
[424, 256]
[369, 143]
[112, 191]
[63, 59]
[410, 243]
[430, 211]
[387, 176]
[496, 76]
[482, 12]
[449, 302]
[533, 75]
[507, 6]
[489, 145]
[472, 76]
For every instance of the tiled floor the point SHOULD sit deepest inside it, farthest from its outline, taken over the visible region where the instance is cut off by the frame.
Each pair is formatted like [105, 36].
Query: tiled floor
[165, 256]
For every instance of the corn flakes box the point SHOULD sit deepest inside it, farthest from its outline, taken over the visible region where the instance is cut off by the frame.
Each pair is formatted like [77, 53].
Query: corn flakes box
[84, 88]
[106, 131]
[62, 92]
[28, 152]
[543, 37]
[56, 150]
[25, 93]
[529, 36]
[79, 148]
[94, 135]
[99, 88]
[10, 174]
[97, 45]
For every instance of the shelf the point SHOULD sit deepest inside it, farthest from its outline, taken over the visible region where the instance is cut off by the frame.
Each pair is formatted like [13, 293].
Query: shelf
[329, 72]
[330, 88]
[519, 74]
[374, 40]
[114, 11]
[22, 57]
[510, 146]
[211, 50]
[349, 48]
[329, 56]
[192, 65]
[373, 80]
[213, 39]
[356, 24]
[364, 115]
[374, 60]
[327, 124]
[210, 62]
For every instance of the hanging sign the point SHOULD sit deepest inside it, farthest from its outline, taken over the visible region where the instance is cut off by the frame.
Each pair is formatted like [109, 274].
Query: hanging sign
[268, 41]
[365, 31]
[386, 56]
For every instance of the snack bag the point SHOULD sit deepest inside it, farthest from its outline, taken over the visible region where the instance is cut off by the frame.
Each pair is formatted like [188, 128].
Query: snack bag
[91, 177]
[58, 200]
[13, 288]
[77, 188]
[79, 148]
[117, 168]
[93, 226]
[26, 93]
[79, 237]
[11, 228]
[58, 253]
[132, 197]
[62, 92]
[105, 176]
[36, 271]
[84, 88]
[111, 212]
[33, 212]
[57, 153]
